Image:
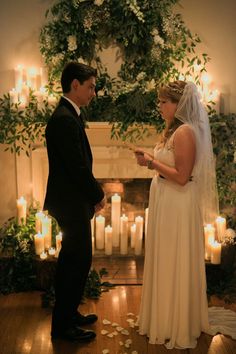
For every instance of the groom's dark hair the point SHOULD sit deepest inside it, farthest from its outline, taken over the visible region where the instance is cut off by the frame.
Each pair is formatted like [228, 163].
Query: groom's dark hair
[74, 70]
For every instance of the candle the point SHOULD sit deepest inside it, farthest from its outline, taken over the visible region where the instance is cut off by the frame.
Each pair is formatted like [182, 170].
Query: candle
[108, 240]
[47, 231]
[58, 241]
[220, 228]
[93, 248]
[13, 96]
[40, 96]
[133, 235]
[100, 229]
[52, 251]
[139, 235]
[43, 255]
[38, 221]
[19, 77]
[216, 253]
[124, 234]
[39, 243]
[115, 219]
[31, 78]
[209, 235]
[92, 226]
[21, 210]
[146, 222]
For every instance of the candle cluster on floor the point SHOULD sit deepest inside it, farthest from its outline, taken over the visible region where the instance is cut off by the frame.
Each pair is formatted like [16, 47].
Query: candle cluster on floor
[43, 231]
[120, 234]
[214, 237]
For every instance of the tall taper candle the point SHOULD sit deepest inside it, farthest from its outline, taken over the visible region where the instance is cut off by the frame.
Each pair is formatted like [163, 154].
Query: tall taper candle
[100, 230]
[108, 240]
[139, 235]
[21, 210]
[115, 219]
[123, 234]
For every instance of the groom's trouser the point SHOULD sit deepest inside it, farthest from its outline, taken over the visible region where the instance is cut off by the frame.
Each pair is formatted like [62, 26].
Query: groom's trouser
[72, 270]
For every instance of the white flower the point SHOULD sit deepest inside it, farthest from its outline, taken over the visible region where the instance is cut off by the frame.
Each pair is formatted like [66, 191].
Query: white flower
[141, 76]
[98, 2]
[230, 233]
[72, 43]
[57, 58]
[150, 85]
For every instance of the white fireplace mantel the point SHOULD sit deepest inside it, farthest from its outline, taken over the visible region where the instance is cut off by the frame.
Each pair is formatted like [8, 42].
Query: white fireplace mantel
[112, 159]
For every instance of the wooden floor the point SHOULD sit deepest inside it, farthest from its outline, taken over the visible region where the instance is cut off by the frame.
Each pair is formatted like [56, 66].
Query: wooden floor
[25, 325]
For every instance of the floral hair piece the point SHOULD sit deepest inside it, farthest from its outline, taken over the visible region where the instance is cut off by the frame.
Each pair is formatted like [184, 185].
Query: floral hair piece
[172, 87]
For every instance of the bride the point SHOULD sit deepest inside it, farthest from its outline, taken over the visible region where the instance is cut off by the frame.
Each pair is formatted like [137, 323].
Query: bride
[183, 197]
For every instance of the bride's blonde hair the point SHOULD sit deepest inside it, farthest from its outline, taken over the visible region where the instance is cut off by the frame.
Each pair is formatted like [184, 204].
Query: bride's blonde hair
[172, 91]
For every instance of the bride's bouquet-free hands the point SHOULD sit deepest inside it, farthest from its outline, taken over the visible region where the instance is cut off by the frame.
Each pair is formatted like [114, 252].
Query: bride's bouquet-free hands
[141, 155]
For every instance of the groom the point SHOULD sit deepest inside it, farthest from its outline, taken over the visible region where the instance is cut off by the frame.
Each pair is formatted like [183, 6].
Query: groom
[72, 197]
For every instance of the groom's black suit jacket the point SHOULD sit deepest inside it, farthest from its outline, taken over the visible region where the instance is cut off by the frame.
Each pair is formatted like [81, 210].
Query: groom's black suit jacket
[72, 191]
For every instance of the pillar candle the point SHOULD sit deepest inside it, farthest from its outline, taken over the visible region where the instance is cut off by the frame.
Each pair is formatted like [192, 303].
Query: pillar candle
[133, 235]
[38, 243]
[13, 96]
[139, 235]
[58, 241]
[216, 253]
[93, 247]
[146, 222]
[100, 230]
[32, 78]
[21, 210]
[108, 240]
[123, 234]
[19, 77]
[220, 228]
[38, 221]
[52, 251]
[47, 231]
[115, 218]
[209, 235]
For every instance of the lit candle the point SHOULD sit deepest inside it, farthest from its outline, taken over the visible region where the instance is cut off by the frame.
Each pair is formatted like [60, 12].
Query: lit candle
[115, 219]
[123, 234]
[220, 228]
[133, 235]
[13, 96]
[31, 78]
[47, 231]
[58, 241]
[21, 210]
[108, 240]
[43, 255]
[52, 251]
[209, 235]
[93, 248]
[92, 226]
[38, 221]
[139, 235]
[146, 222]
[100, 230]
[39, 243]
[19, 77]
[216, 253]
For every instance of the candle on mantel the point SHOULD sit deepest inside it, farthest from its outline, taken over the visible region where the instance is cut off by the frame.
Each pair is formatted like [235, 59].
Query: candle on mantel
[13, 96]
[146, 222]
[58, 241]
[132, 235]
[209, 235]
[216, 253]
[115, 219]
[139, 235]
[47, 231]
[19, 77]
[38, 221]
[123, 234]
[43, 255]
[21, 210]
[220, 227]
[108, 240]
[38, 243]
[100, 232]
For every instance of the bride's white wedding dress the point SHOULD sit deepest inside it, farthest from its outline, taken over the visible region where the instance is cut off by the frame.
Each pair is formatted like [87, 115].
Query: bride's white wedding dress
[174, 308]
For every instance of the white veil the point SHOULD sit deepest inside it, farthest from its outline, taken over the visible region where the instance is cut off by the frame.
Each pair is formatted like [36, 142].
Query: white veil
[191, 111]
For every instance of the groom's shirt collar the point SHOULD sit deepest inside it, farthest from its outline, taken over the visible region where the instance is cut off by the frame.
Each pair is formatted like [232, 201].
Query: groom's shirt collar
[73, 104]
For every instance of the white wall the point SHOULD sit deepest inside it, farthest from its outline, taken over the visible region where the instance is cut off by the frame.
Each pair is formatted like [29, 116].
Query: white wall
[20, 26]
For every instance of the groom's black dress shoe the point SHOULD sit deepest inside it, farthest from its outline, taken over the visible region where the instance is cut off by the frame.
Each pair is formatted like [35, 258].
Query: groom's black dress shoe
[83, 320]
[74, 334]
